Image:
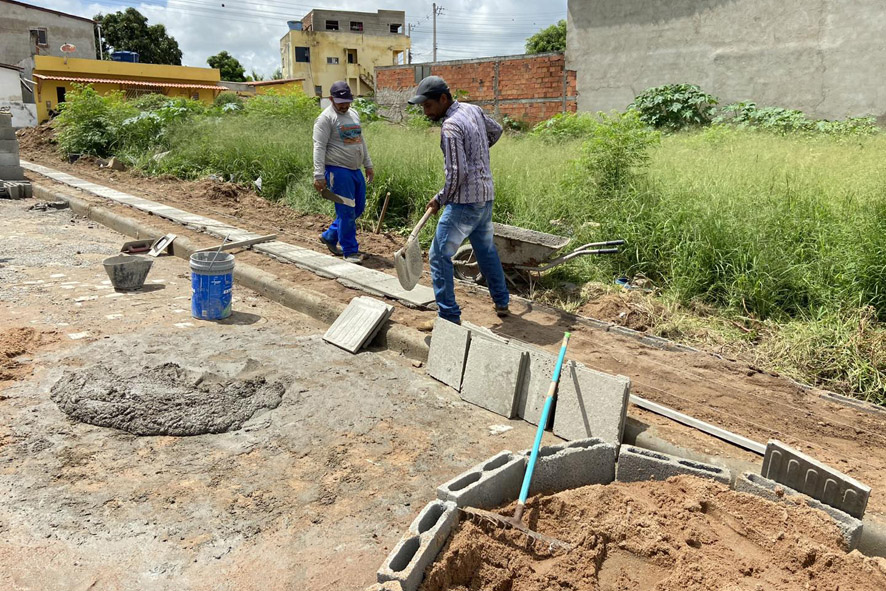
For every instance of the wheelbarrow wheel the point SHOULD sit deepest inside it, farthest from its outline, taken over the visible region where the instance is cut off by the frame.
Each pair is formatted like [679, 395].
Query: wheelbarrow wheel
[465, 265]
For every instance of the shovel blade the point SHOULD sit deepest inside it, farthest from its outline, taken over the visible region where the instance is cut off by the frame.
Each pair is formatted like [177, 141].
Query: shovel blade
[408, 264]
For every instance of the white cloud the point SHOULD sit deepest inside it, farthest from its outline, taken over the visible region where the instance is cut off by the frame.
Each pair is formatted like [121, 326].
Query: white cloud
[250, 30]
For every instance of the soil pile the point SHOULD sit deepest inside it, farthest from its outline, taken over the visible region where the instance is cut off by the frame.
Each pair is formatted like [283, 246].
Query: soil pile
[163, 400]
[685, 534]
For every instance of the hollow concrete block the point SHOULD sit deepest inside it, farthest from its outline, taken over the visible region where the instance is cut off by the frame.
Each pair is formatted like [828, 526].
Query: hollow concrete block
[487, 485]
[850, 527]
[420, 545]
[571, 465]
[9, 147]
[591, 404]
[11, 173]
[7, 133]
[9, 159]
[448, 352]
[792, 468]
[635, 464]
[493, 376]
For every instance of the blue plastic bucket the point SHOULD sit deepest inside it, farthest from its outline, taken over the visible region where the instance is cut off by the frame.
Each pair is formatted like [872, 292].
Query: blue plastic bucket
[212, 285]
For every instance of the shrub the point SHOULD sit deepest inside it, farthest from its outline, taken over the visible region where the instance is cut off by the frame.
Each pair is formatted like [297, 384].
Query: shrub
[150, 102]
[367, 109]
[228, 98]
[89, 123]
[565, 126]
[674, 106]
[618, 147]
[293, 105]
[517, 125]
[785, 121]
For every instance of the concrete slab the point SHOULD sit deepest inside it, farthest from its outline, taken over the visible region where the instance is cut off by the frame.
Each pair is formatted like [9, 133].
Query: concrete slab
[358, 324]
[9, 159]
[493, 376]
[850, 527]
[636, 464]
[482, 331]
[420, 545]
[487, 485]
[792, 468]
[536, 382]
[591, 404]
[571, 465]
[448, 352]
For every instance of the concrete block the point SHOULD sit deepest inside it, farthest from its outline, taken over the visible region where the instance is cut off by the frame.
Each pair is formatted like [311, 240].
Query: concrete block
[9, 147]
[16, 190]
[11, 173]
[420, 545]
[794, 469]
[778, 493]
[358, 324]
[487, 485]
[635, 464]
[5, 120]
[9, 159]
[7, 133]
[448, 352]
[536, 381]
[591, 404]
[493, 376]
[571, 465]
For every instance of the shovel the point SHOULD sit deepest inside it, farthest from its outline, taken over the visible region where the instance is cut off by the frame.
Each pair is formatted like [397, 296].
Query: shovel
[407, 260]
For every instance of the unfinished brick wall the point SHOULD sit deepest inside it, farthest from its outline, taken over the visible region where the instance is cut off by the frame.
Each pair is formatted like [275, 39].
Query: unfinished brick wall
[528, 88]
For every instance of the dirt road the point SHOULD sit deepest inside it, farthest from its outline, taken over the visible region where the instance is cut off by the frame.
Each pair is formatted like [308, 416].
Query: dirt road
[309, 495]
[727, 393]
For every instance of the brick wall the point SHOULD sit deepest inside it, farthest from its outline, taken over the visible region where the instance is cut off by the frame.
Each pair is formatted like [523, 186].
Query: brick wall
[529, 88]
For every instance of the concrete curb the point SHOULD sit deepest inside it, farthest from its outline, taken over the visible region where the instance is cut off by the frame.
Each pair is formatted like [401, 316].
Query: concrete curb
[318, 306]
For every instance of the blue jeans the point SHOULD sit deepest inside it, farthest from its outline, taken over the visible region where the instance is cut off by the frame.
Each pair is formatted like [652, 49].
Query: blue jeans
[347, 183]
[460, 221]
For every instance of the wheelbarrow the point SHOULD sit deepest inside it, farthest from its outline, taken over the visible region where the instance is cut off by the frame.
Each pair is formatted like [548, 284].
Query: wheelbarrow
[523, 252]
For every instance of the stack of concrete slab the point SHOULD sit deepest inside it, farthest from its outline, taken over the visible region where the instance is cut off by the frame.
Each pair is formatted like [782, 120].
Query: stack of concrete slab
[358, 324]
[512, 378]
[13, 184]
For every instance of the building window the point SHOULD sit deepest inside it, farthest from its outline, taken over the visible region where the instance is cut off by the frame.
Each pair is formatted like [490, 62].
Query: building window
[302, 54]
[357, 26]
[332, 25]
[38, 36]
[395, 28]
[352, 56]
[332, 60]
[318, 90]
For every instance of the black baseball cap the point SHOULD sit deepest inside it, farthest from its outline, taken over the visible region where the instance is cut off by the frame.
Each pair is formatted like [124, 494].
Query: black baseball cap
[341, 92]
[432, 86]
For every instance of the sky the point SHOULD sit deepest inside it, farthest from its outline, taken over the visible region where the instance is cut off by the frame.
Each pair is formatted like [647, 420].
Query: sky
[250, 30]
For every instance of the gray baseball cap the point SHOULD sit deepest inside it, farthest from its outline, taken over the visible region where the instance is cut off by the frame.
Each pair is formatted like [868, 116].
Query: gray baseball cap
[432, 85]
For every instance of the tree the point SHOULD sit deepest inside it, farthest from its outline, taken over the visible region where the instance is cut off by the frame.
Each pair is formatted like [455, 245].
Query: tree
[255, 77]
[230, 68]
[129, 31]
[277, 75]
[551, 39]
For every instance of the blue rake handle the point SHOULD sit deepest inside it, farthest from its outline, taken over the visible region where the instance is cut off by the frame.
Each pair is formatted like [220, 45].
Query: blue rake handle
[549, 402]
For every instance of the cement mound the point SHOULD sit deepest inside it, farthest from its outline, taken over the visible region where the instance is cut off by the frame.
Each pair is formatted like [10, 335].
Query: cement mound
[163, 400]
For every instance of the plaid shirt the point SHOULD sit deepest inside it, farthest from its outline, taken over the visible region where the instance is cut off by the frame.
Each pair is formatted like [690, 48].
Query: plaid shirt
[468, 133]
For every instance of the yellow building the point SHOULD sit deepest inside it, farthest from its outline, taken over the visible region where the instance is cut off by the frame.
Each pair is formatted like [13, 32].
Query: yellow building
[330, 45]
[54, 76]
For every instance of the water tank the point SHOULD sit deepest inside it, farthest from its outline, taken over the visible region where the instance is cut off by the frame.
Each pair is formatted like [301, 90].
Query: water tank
[294, 25]
[125, 56]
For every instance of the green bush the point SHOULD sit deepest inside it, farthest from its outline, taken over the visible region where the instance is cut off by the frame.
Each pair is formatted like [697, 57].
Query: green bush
[367, 109]
[89, 123]
[617, 149]
[281, 106]
[746, 114]
[228, 98]
[565, 126]
[674, 106]
[150, 102]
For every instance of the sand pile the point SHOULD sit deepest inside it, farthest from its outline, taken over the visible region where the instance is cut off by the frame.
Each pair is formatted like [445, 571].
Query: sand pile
[163, 400]
[685, 534]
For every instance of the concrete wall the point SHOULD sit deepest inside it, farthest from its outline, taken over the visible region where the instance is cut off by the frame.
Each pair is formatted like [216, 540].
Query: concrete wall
[10, 85]
[528, 88]
[16, 21]
[825, 57]
[373, 23]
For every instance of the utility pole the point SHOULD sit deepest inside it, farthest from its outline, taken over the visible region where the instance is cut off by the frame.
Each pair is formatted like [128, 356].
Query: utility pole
[409, 34]
[436, 11]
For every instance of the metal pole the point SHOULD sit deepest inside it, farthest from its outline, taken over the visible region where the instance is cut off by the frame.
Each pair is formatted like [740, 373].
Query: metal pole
[101, 54]
[434, 59]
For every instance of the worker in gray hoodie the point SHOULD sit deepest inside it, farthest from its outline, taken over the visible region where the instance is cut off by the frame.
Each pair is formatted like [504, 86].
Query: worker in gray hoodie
[339, 153]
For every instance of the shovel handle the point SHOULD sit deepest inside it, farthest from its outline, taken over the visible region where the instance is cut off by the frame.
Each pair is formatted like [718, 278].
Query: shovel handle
[421, 224]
